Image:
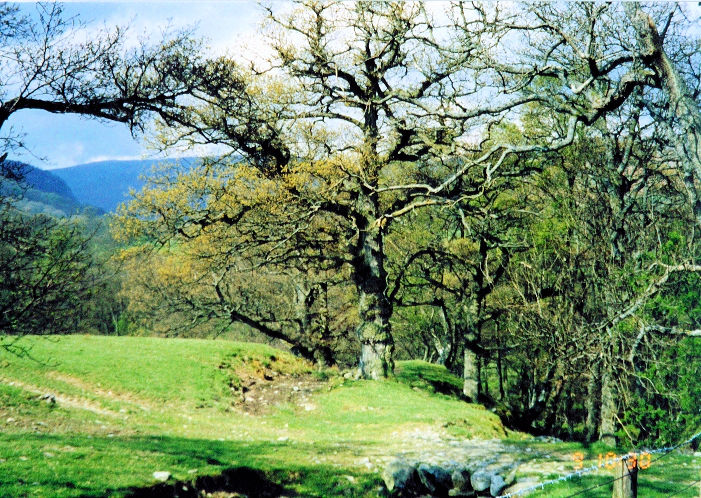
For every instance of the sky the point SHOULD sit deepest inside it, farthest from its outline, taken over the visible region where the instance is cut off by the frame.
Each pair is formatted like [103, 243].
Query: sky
[58, 141]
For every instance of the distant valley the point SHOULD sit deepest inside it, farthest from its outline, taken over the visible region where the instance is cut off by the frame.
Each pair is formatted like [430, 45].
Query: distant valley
[92, 188]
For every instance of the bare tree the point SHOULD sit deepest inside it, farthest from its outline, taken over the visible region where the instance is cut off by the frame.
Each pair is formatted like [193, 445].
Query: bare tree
[47, 63]
[380, 109]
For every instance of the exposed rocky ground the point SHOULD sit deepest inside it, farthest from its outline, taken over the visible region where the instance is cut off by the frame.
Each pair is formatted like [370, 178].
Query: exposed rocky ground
[436, 464]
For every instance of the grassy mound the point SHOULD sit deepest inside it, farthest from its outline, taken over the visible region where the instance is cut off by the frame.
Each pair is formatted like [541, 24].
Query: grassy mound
[428, 376]
[95, 415]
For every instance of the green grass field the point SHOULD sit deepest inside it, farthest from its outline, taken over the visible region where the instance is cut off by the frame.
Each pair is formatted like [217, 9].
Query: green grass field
[213, 412]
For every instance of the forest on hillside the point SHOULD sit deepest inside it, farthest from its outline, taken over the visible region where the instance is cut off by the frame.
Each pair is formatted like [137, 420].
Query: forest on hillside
[507, 189]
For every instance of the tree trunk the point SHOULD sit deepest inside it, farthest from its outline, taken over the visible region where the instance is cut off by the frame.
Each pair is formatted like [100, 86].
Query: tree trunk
[374, 309]
[471, 373]
[312, 342]
[607, 424]
[500, 372]
[593, 403]
[444, 343]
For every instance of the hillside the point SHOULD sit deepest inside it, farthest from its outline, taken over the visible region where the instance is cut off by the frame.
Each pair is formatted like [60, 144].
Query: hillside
[97, 416]
[106, 184]
[41, 191]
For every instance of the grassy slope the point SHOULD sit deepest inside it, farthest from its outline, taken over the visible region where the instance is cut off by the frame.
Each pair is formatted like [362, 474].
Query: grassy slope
[130, 406]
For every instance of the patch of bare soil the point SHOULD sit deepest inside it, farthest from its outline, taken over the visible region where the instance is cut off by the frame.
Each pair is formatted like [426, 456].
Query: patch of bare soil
[257, 394]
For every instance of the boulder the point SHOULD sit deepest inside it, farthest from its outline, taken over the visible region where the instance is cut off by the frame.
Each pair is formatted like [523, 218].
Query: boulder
[481, 480]
[401, 478]
[511, 477]
[436, 480]
[496, 485]
[461, 480]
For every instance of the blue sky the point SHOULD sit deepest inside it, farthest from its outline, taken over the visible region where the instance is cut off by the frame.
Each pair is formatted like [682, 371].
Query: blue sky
[57, 141]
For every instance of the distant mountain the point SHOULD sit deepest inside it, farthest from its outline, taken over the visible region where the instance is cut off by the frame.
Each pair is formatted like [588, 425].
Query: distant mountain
[106, 184]
[39, 191]
[40, 179]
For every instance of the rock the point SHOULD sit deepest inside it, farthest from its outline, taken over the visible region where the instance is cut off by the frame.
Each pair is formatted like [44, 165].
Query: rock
[511, 477]
[522, 484]
[401, 478]
[462, 494]
[49, 398]
[548, 439]
[461, 480]
[162, 476]
[435, 479]
[496, 485]
[481, 480]
[352, 374]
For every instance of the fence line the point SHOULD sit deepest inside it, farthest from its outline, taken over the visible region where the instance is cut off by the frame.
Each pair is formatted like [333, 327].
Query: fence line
[579, 473]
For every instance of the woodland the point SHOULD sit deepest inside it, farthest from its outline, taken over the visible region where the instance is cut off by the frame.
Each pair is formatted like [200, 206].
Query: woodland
[510, 190]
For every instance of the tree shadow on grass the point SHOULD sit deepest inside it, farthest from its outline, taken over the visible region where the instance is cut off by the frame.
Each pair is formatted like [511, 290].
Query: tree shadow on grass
[94, 466]
[241, 480]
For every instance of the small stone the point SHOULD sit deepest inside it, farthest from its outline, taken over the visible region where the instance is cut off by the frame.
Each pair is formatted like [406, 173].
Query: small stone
[23, 458]
[481, 480]
[283, 438]
[48, 454]
[10, 420]
[49, 398]
[162, 476]
[192, 471]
